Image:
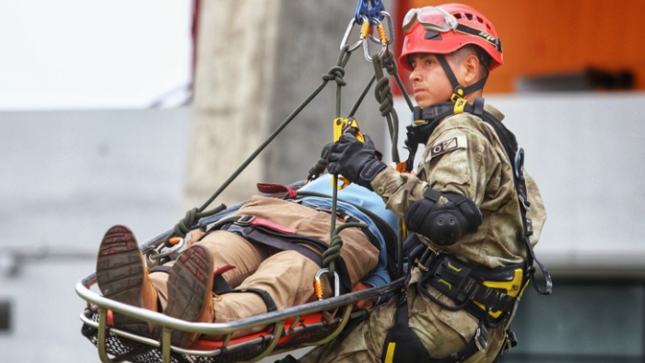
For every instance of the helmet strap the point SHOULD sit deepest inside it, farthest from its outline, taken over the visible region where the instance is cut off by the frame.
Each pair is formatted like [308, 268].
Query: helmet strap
[458, 91]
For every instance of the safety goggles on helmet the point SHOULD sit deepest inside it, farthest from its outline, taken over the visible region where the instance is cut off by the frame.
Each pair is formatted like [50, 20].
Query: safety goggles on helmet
[439, 20]
[431, 18]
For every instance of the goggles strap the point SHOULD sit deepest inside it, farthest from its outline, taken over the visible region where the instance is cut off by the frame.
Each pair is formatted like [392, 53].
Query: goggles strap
[465, 29]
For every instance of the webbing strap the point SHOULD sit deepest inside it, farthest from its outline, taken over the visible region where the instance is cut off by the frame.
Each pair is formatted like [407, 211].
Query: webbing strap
[268, 300]
[260, 235]
[403, 345]
[510, 146]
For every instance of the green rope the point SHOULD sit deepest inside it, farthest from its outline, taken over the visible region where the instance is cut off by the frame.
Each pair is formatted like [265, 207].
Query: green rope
[383, 94]
[343, 56]
[335, 245]
[361, 97]
[336, 74]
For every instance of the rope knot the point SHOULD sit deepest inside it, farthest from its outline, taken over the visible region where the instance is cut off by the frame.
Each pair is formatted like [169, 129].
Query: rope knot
[383, 94]
[182, 228]
[336, 74]
[389, 63]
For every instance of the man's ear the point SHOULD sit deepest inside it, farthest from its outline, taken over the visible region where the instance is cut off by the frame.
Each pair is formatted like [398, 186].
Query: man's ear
[470, 68]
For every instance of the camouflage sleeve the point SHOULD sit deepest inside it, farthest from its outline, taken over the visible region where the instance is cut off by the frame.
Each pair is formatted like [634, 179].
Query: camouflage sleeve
[458, 158]
[398, 189]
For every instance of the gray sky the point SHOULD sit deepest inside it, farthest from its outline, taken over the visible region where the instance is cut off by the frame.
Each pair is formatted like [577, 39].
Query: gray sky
[71, 54]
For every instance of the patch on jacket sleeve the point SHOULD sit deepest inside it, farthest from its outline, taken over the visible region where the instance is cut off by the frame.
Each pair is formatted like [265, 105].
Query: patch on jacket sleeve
[449, 144]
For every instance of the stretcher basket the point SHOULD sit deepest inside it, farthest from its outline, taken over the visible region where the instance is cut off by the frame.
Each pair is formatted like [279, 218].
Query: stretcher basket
[310, 324]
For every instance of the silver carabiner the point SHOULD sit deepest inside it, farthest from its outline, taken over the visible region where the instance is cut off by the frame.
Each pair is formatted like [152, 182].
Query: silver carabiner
[155, 254]
[318, 283]
[366, 51]
[348, 32]
[390, 38]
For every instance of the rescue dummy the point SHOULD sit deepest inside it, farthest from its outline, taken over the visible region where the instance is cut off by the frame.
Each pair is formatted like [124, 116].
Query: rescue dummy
[264, 255]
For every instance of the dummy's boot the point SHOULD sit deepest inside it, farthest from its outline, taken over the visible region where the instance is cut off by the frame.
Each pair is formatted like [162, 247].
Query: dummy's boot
[122, 275]
[190, 294]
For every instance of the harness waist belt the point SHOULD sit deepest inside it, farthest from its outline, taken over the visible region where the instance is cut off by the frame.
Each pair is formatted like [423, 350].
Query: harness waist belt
[484, 293]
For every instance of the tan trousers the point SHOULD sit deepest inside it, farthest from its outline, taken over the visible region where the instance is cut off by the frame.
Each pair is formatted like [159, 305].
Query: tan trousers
[286, 275]
[440, 330]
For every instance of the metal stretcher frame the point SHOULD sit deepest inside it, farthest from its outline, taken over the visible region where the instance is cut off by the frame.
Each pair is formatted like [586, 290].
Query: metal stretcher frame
[277, 318]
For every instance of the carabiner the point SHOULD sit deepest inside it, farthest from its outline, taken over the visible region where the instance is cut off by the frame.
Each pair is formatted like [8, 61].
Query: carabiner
[366, 50]
[363, 10]
[318, 284]
[155, 254]
[382, 34]
[348, 32]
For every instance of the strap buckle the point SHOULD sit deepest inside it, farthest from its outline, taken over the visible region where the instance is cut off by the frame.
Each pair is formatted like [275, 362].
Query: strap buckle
[481, 339]
[244, 221]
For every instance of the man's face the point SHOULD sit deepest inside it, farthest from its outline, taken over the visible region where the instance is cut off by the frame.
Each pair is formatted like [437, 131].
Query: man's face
[429, 81]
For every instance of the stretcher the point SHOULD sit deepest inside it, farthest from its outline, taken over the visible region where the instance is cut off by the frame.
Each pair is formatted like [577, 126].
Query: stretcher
[310, 324]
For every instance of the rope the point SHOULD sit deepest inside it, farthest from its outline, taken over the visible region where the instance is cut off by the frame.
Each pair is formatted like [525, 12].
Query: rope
[344, 55]
[319, 167]
[383, 94]
[336, 74]
[361, 97]
[335, 245]
[389, 63]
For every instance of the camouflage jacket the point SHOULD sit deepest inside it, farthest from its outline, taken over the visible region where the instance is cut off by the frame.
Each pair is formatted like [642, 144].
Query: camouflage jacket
[464, 155]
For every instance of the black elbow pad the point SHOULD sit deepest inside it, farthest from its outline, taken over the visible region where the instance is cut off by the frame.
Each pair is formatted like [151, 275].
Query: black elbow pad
[443, 224]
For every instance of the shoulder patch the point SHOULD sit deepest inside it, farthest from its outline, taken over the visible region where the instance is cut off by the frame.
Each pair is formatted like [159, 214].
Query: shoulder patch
[446, 145]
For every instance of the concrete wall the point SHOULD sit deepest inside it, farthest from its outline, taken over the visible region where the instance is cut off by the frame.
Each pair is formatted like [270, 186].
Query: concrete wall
[257, 61]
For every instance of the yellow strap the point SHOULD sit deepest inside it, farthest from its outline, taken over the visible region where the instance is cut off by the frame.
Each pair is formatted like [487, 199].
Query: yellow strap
[459, 106]
[389, 356]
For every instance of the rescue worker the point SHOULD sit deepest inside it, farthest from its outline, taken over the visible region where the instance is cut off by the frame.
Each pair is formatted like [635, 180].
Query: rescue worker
[256, 255]
[473, 214]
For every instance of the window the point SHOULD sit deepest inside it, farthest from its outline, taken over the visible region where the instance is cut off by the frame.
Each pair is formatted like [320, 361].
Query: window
[581, 321]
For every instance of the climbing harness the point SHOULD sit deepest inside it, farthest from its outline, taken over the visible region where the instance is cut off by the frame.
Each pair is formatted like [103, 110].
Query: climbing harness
[309, 324]
[491, 296]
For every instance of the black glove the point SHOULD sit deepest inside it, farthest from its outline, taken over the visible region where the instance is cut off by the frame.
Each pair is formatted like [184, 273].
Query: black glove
[355, 160]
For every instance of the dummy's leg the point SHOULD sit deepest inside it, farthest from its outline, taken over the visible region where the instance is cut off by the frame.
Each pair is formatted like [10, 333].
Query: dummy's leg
[286, 276]
[190, 291]
[226, 249]
[122, 276]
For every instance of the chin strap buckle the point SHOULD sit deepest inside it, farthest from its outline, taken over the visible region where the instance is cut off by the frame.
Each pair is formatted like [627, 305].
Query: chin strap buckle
[458, 99]
[457, 94]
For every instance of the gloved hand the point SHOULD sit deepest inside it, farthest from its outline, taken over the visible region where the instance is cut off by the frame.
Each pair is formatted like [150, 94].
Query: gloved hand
[355, 160]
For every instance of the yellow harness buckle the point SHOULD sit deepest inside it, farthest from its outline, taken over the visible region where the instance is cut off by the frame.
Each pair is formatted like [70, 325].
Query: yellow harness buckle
[460, 104]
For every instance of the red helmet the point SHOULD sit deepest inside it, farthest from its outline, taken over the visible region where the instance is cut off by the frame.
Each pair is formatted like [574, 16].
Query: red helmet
[447, 28]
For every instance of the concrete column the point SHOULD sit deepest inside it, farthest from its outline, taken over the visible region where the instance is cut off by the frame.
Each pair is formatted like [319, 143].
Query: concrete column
[257, 61]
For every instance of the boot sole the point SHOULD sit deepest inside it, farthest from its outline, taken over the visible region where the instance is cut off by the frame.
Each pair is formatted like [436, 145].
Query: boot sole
[189, 288]
[120, 275]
